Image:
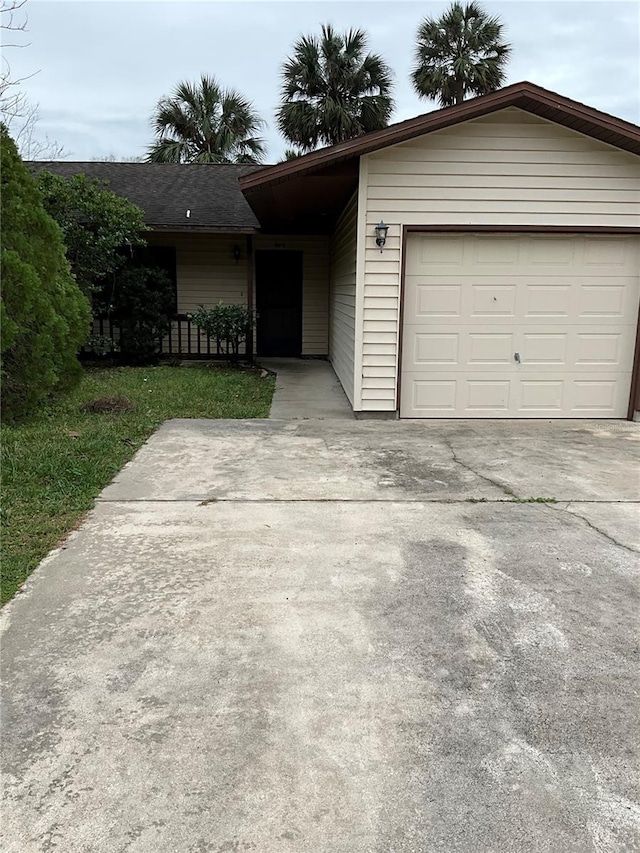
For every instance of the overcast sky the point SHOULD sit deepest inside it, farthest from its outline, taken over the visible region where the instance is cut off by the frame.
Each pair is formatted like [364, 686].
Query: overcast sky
[103, 65]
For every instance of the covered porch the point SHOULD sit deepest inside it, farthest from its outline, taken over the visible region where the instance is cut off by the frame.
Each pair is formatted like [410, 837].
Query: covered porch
[295, 271]
[282, 279]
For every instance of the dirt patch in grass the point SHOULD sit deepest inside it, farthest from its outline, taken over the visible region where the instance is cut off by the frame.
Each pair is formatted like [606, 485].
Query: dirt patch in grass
[108, 405]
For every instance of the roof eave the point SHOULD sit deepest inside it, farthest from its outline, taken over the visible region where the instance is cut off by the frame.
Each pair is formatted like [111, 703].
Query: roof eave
[204, 229]
[524, 95]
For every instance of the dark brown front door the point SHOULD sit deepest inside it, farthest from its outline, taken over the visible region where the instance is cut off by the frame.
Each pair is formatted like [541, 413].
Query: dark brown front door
[279, 303]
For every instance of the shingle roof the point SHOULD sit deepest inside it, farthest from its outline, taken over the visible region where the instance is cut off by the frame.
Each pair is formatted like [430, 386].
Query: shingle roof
[166, 191]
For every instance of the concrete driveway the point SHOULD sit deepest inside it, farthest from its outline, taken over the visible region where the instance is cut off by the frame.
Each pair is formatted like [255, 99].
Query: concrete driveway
[338, 637]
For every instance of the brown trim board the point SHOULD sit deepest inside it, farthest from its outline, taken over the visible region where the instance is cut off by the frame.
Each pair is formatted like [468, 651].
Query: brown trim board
[403, 275]
[205, 229]
[512, 229]
[527, 96]
[635, 376]
[250, 288]
[523, 229]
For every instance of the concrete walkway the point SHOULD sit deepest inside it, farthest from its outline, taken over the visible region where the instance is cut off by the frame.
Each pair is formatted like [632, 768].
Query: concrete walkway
[306, 388]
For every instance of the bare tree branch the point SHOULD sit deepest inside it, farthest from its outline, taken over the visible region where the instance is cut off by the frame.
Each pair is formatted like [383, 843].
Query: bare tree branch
[22, 127]
[18, 114]
[8, 10]
[13, 18]
[111, 158]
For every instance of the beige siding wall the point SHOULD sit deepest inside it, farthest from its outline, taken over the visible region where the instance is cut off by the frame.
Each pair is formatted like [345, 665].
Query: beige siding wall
[315, 286]
[206, 270]
[510, 168]
[342, 303]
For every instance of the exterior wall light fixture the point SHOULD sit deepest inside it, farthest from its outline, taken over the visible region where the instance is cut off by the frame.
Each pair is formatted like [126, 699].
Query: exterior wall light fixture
[381, 234]
[236, 253]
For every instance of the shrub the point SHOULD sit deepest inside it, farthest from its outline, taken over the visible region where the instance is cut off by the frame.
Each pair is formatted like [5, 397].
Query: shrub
[96, 225]
[43, 314]
[102, 345]
[228, 325]
[140, 302]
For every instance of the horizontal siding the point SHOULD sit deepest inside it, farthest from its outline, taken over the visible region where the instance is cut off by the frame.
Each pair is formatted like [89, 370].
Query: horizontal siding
[496, 168]
[315, 285]
[342, 304]
[206, 270]
[509, 168]
[509, 164]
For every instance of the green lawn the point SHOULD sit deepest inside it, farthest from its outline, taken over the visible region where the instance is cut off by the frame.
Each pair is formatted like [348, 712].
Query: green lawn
[55, 464]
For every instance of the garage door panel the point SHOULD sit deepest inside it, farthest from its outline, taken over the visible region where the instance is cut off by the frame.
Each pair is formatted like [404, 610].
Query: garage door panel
[545, 252]
[493, 300]
[542, 301]
[431, 398]
[487, 396]
[489, 348]
[544, 348]
[602, 301]
[447, 252]
[602, 349]
[437, 300]
[596, 396]
[610, 253]
[566, 305]
[541, 397]
[435, 348]
[485, 253]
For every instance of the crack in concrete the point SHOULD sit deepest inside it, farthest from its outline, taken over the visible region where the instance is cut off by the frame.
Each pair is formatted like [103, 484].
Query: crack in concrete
[590, 524]
[491, 481]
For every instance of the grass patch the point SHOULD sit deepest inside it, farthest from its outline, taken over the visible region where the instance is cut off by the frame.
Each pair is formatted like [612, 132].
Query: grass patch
[56, 463]
[533, 501]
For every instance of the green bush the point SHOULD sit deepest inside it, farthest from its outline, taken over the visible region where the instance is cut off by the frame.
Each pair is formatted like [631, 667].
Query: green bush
[43, 314]
[139, 301]
[228, 325]
[96, 225]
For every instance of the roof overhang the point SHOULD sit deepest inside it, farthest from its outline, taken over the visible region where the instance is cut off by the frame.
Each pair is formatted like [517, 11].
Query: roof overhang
[310, 203]
[295, 192]
[202, 229]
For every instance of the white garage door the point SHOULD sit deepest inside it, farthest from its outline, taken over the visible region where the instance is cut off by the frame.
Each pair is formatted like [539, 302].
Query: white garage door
[504, 326]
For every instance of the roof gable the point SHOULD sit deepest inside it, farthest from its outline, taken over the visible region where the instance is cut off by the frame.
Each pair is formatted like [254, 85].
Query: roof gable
[526, 96]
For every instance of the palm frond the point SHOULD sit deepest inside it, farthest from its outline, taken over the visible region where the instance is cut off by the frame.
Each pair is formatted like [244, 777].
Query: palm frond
[459, 54]
[329, 87]
[201, 122]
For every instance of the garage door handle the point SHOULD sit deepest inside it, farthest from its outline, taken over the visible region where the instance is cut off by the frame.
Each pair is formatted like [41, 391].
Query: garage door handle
[516, 357]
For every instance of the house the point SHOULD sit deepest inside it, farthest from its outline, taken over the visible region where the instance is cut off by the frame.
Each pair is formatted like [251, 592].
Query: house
[508, 283]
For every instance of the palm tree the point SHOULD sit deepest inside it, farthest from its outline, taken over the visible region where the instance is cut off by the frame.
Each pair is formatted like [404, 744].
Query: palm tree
[332, 90]
[459, 54]
[291, 154]
[202, 123]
